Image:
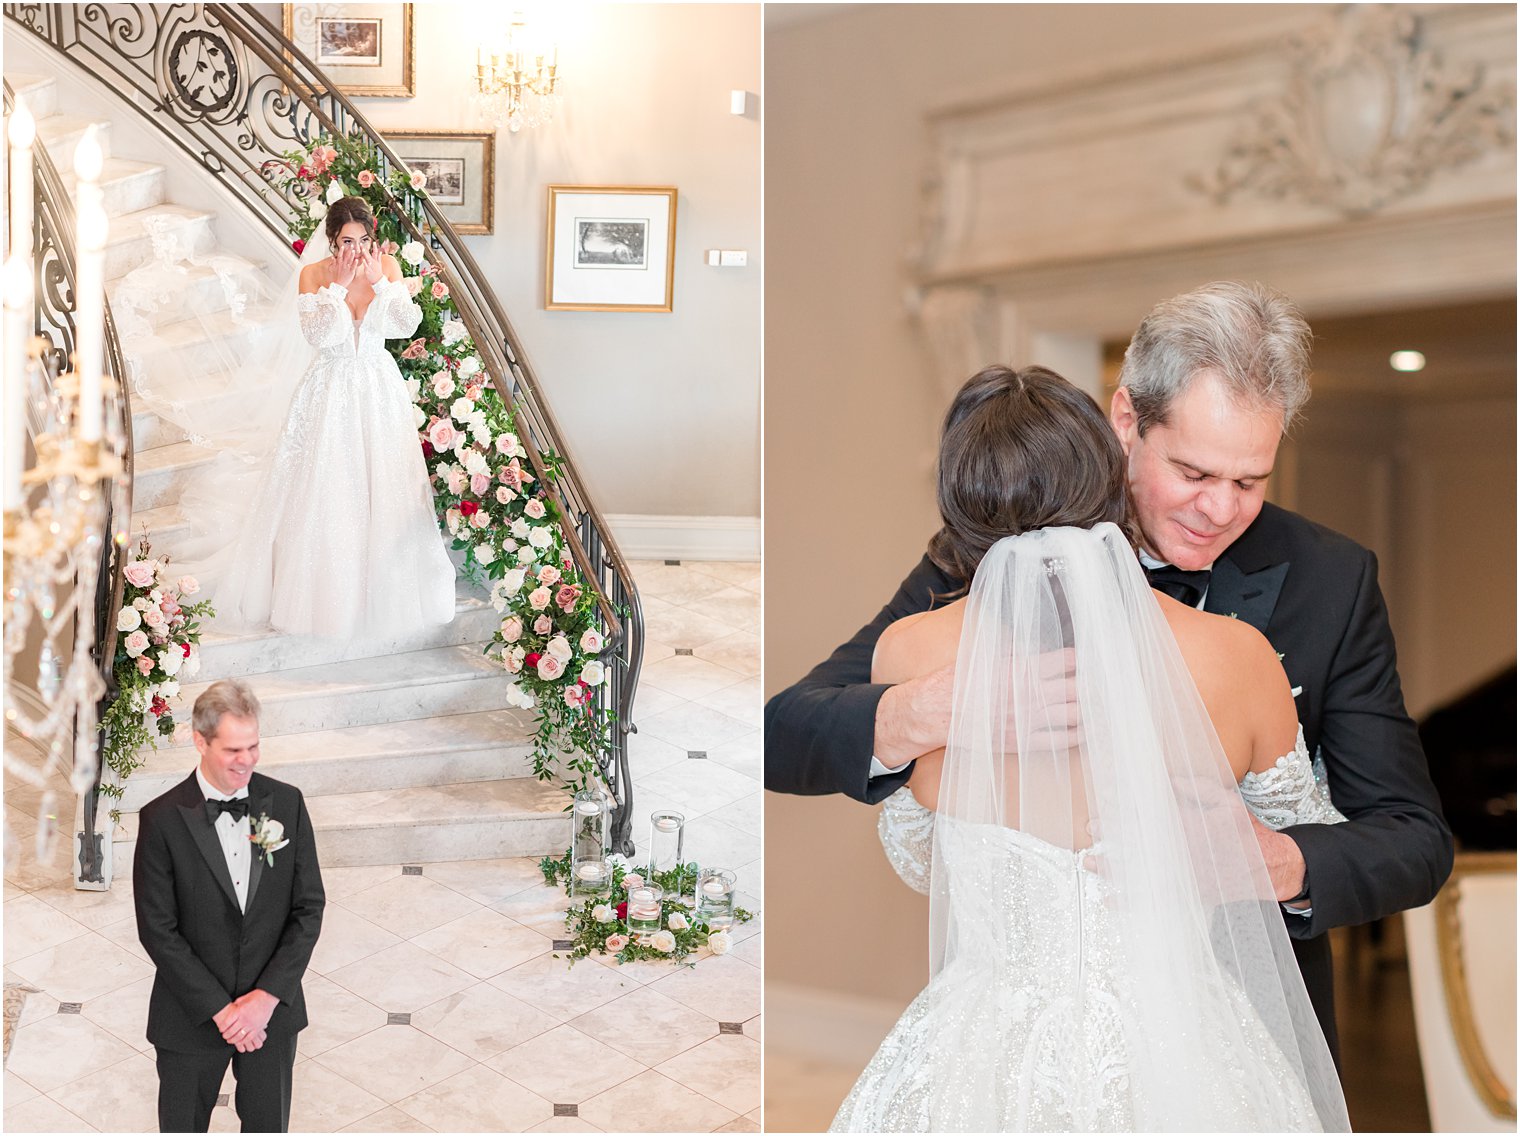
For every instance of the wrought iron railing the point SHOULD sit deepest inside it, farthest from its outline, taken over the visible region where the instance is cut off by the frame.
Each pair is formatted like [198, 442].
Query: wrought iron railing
[222, 83]
[53, 282]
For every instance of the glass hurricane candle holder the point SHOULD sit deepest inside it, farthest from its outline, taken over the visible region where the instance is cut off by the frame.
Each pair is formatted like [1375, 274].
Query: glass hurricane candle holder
[590, 874]
[667, 834]
[715, 897]
[644, 909]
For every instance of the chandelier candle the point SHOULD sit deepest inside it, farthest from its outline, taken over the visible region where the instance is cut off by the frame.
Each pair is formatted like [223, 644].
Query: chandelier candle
[90, 285]
[19, 304]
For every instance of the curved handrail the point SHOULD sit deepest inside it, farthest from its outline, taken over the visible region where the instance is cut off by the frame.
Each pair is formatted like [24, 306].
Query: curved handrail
[53, 240]
[226, 86]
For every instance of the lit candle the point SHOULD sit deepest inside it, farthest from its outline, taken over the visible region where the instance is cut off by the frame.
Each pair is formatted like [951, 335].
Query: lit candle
[23, 131]
[19, 321]
[666, 824]
[89, 285]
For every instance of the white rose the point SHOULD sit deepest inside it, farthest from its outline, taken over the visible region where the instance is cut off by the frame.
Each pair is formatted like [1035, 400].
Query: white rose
[317, 209]
[517, 696]
[484, 553]
[192, 665]
[169, 689]
[591, 641]
[419, 419]
[663, 941]
[719, 942]
[593, 673]
[559, 647]
[136, 643]
[475, 462]
[335, 192]
[413, 253]
[272, 831]
[676, 922]
[142, 603]
[127, 619]
[413, 388]
[509, 544]
[171, 658]
[513, 581]
[454, 330]
[541, 537]
[469, 366]
[462, 408]
[527, 554]
[602, 913]
[520, 528]
[188, 585]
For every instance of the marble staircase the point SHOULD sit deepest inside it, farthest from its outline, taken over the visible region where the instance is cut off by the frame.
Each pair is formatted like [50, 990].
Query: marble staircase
[404, 747]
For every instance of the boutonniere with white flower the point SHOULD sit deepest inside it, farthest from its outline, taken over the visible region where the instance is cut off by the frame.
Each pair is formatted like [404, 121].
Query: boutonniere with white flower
[268, 836]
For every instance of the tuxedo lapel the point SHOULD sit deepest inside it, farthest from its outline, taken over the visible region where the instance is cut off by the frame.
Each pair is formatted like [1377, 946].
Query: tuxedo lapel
[259, 804]
[204, 834]
[1248, 596]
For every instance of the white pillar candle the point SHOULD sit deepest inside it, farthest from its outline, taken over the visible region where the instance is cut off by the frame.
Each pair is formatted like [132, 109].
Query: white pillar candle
[22, 131]
[89, 285]
[19, 323]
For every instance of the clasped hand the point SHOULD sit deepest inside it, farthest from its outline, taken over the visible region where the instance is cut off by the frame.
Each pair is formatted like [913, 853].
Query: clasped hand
[350, 260]
[244, 1023]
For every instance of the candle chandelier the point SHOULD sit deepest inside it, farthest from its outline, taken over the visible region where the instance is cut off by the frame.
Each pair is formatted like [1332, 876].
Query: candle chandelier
[519, 86]
[58, 512]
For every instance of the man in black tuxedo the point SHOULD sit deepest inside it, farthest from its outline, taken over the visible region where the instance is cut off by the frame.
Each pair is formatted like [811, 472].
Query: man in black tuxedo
[229, 904]
[1209, 384]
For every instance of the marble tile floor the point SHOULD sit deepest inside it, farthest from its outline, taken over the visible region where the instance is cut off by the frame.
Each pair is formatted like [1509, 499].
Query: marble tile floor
[436, 1001]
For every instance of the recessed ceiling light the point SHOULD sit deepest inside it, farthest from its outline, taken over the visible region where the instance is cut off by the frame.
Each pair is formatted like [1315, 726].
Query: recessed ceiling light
[1407, 361]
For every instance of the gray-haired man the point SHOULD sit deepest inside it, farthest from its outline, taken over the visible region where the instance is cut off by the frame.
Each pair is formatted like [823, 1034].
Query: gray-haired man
[1211, 380]
[229, 904]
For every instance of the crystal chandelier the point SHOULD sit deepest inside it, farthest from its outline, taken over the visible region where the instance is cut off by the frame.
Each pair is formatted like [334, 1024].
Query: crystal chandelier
[519, 86]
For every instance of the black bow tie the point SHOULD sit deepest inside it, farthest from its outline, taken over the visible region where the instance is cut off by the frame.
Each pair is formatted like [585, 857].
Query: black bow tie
[1184, 586]
[215, 808]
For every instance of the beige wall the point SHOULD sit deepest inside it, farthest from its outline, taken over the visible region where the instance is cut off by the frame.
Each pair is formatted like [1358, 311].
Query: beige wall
[661, 411]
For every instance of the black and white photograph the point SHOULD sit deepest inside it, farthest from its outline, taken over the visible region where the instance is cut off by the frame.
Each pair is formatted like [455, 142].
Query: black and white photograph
[610, 244]
[445, 178]
[354, 43]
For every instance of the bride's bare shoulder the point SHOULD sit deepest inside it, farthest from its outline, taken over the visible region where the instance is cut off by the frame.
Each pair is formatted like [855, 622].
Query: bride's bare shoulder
[918, 644]
[313, 276]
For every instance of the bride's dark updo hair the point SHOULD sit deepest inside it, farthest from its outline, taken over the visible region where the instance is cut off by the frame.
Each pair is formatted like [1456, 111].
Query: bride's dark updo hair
[347, 210]
[1022, 450]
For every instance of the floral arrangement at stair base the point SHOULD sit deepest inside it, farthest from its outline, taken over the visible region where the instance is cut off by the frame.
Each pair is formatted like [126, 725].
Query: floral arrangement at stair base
[157, 647]
[599, 926]
[488, 499]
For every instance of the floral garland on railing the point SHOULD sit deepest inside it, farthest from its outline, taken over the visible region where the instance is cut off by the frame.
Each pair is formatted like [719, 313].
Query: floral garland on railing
[157, 646]
[599, 926]
[487, 498]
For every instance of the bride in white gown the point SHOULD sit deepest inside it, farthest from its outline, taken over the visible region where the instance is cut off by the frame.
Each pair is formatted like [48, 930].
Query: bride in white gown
[315, 516]
[1106, 952]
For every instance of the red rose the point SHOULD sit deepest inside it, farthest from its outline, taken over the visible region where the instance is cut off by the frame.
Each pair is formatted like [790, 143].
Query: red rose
[469, 508]
[531, 660]
[159, 706]
[427, 448]
[622, 910]
[299, 246]
[303, 172]
[186, 648]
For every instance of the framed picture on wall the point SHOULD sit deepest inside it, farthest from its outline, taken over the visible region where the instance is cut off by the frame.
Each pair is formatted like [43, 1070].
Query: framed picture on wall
[460, 171]
[367, 49]
[611, 248]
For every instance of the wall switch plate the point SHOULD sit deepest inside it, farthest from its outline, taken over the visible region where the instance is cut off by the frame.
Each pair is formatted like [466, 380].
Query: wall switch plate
[714, 257]
[734, 258]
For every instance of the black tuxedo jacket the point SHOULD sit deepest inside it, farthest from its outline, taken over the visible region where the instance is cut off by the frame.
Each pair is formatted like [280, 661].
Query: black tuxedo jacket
[1314, 594]
[207, 952]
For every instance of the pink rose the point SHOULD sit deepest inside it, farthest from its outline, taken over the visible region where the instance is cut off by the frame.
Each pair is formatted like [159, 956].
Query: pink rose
[456, 480]
[511, 629]
[417, 180]
[542, 625]
[366, 179]
[472, 392]
[567, 596]
[576, 696]
[413, 285]
[170, 608]
[145, 664]
[591, 641]
[480, 520]
[390, 248]
[416, 349]
[504, 495]
[139, 573]
[548, 574]
[479, 483]
[155, 618]
[538, 599]
[442, 434]
[136, 643]
[443, 384]
[616, 943]
[440, 289]
[549, 668]
[535, 508]
[188, 585]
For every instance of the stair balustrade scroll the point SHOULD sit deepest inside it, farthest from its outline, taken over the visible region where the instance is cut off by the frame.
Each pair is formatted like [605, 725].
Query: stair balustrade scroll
[225, 86]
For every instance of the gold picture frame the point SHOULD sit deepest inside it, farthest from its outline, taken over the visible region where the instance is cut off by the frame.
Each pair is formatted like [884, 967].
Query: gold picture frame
[369, 50]
[460, 166]
[610, 248]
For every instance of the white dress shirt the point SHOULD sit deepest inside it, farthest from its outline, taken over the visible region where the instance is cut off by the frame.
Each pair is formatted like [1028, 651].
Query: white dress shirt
[234, 836]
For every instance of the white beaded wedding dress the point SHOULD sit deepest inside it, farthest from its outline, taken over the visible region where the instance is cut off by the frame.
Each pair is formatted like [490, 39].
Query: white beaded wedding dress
[1105, 951]
[315, 516]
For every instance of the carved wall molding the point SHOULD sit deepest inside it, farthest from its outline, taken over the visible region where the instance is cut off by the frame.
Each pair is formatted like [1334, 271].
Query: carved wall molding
[1369, 114]
[960, 327]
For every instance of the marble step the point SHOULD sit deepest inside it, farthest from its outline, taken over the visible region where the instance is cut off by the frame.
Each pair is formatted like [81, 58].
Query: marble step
[448, 750]
[480, 820]
[149, 431]
[165, 526]
[131, 243]
[199, 291]
[39, 92]
[200, 345]
[391, 688]
[126, 186]
[256, 653]
[160, 474]
[62, 134]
